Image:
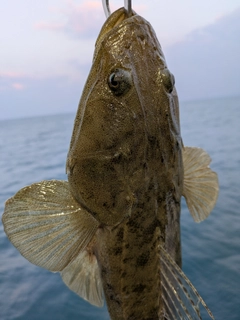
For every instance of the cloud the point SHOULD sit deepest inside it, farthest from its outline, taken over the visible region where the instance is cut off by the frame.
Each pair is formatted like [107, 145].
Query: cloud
[83, 20]
[11, 75]
[11, 81]
[206, 62]
[26, 95]
[40, 97]
[49, 26]
[18, 86]
[205, 65]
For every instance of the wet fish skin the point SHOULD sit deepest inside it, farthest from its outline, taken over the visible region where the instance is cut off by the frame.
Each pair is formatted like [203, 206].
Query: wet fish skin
[115, 138]
[125, 166]
[115, 226]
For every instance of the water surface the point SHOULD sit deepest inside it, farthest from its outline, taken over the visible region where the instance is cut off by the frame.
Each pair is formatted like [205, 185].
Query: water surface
[35, 149]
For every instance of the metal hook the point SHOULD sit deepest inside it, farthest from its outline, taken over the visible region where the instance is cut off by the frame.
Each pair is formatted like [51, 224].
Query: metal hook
[106, 8]
[127, 6]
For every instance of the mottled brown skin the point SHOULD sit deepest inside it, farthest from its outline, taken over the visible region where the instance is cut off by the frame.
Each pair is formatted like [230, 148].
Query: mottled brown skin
[125, 165]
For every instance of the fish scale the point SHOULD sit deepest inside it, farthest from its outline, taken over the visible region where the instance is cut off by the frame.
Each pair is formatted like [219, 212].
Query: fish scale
[133, 252]
[130, 274]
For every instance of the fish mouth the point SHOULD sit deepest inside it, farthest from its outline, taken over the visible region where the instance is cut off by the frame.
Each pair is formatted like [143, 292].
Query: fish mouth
[114, 20]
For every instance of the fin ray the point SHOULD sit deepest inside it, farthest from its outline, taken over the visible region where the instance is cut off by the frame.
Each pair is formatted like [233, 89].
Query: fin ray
[179, 292]
[45, 223]
[82, 276]
[200, 187]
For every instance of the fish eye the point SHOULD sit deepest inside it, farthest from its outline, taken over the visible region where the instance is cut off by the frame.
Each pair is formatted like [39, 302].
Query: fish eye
[120, 81]
[168, 80]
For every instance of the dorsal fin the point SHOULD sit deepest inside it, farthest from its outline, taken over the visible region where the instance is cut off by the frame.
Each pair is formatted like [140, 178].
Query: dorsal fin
[181, 299]
[200, 187]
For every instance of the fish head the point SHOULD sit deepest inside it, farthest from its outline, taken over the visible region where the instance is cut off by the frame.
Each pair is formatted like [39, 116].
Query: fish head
[127, 123]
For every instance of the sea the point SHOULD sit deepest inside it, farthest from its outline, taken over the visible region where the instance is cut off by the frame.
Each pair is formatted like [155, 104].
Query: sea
[35, 149]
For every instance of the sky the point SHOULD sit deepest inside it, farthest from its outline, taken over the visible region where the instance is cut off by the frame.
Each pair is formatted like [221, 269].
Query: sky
[46, 49]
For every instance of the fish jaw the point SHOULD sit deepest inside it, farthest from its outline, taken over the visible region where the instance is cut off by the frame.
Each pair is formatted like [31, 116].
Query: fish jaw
[118, 138]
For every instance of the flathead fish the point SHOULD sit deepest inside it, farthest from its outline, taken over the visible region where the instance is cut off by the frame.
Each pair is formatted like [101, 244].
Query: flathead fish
[113, 229]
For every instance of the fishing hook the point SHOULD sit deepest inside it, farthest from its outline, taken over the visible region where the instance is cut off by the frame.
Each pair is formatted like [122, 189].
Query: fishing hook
[127, 6]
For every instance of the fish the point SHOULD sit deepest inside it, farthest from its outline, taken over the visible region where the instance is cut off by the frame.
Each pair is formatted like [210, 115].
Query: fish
[112, 230]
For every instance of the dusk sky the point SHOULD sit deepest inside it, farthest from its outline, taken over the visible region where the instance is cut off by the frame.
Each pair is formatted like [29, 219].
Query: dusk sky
[46, 49]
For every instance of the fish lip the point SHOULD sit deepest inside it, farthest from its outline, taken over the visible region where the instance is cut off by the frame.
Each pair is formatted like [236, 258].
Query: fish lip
[114, 20]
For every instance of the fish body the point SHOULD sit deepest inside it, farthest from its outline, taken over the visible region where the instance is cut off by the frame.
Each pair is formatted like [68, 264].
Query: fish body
[125, 164]
[114, 227]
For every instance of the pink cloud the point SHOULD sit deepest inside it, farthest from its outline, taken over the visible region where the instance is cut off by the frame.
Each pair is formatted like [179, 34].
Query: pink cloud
[17, 86]
[11, 75]
[85, 19]
[10, 80]
[81, 20]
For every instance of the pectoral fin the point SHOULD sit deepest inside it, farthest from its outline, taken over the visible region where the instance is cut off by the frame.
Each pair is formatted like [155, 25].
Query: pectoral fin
[51, 230]
[181, 299]
[83, 277]
[200, 187]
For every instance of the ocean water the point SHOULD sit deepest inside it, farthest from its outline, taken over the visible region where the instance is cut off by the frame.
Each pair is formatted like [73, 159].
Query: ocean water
[35, 149]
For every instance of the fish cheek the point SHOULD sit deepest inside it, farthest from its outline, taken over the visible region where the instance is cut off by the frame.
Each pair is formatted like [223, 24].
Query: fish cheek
[105, 124]
[97, 164]
[96, 184]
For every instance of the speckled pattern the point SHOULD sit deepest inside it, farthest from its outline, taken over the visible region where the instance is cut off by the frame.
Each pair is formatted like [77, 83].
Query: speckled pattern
[125, 164]
[129, 255]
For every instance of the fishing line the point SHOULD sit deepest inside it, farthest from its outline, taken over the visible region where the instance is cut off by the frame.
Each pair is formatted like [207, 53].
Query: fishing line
[107, 11]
